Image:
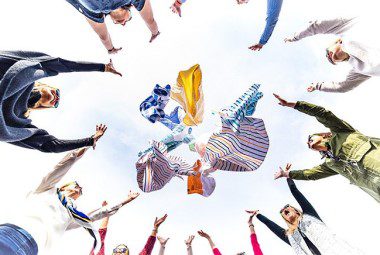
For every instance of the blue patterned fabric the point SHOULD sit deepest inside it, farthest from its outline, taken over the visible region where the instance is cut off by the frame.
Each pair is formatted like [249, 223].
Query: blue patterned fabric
[152, 108]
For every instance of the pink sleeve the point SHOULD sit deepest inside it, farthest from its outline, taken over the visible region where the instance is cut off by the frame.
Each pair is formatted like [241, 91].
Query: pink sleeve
[148, 248]
[102, 233]
[255, 245]
[216, 251]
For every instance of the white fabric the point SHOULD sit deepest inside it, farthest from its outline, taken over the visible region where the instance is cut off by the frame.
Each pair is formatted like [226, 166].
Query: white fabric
[321, 236]
[43, 215]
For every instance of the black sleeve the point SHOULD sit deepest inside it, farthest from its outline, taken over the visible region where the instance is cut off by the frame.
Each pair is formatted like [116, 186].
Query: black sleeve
[60, 65]
[301, 199]
[58, 145]
[276, 229]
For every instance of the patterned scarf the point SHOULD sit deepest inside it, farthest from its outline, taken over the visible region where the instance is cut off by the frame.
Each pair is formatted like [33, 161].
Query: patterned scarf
[80, 218]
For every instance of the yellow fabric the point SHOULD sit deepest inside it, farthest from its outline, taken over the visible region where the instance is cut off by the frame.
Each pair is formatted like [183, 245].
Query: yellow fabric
[188, 93]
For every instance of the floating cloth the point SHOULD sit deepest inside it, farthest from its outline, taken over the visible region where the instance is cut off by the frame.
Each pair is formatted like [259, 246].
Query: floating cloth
[199, 183]
[188, 93]
[152, 108]
[180, 134]
[156, 168]
[242, 143]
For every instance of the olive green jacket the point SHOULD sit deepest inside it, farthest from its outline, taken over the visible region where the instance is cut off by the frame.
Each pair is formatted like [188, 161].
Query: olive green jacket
[350, 146]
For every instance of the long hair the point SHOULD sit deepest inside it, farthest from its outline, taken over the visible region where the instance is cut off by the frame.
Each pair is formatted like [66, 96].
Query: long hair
[293, 226]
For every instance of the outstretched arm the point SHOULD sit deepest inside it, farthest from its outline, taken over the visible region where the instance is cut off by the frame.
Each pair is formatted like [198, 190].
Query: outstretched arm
[325, 117]
[301, 199]
[315, 173]
[255, 244]
[148, 248]
[147, 15]
[352, 80]
[332, 26]
[102, 31]
[163, 242]
[188, 243]
[60, 170]
[273, 12]
[277, 230]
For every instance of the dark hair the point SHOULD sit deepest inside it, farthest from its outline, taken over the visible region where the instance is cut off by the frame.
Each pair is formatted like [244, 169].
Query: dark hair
[126, 7]
[34, 97]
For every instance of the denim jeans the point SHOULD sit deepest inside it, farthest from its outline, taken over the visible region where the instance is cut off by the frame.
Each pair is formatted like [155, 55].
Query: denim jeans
[16, 241]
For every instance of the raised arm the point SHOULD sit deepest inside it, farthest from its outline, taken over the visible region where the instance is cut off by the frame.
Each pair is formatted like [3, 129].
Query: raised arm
[255, 244]
[325, 117]
[163, 242]
[277, 230]
[106, 211]
[60, 170]
[104, 36]
[148, 248]
[188, 243]
[301, 199]
[335, 26]
[147, 15]
[352, 80]
[315, 173]
[273, 12]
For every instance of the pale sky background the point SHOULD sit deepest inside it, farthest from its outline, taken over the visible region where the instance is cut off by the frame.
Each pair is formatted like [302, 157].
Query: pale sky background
[215, 34]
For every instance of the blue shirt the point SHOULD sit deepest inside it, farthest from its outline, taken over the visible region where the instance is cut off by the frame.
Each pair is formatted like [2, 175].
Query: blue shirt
[95, 9]
[273, 12]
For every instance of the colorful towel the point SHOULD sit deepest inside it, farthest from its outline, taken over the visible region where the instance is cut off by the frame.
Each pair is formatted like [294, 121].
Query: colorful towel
[188, 93]
[200, 183]
[152, 108]
[156, 168]
[242, 143]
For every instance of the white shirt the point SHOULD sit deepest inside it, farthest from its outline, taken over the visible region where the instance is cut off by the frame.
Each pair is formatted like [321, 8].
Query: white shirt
[362, 47]
[44, 216]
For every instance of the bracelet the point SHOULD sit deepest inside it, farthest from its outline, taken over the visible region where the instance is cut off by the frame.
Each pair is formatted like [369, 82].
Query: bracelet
[109, 51]
[178, 2]
[251, 225]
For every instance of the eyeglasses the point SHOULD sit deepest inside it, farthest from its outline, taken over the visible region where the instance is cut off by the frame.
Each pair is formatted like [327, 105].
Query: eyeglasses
[328, 56]
[285, 207]
[309, 140]
[58, 95]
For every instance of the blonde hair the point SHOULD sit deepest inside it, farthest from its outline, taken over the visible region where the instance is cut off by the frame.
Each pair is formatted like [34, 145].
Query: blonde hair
[37, 105]
[292, 226]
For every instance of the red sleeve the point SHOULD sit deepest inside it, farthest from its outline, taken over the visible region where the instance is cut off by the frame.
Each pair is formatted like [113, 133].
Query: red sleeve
[148, 248]
[216, 251]
[255, 245]
[102, 233]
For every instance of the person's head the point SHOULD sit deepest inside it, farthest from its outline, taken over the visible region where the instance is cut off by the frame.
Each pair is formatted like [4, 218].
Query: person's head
[335, 53]
[121, 249]
[319, 142]
[121, 15]
[43, 96]
[291, 215]
[72, 190]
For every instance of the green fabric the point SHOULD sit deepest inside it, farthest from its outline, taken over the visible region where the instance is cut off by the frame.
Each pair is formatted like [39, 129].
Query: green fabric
[359, 154]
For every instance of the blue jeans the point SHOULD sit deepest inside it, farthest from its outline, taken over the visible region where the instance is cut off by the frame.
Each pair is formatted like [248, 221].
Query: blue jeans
[16, 241]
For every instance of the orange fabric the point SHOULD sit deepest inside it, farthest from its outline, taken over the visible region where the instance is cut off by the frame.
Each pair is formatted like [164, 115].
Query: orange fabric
[194, 183]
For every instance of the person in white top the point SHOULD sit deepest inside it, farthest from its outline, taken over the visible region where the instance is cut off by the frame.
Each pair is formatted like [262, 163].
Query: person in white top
[355, 46]
[49, 212]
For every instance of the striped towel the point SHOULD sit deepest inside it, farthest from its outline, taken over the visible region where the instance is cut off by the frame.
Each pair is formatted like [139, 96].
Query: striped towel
[242, 143]
[156, 168]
